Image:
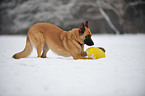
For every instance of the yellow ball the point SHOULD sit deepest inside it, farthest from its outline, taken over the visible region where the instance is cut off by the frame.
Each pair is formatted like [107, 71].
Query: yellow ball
[95, 52]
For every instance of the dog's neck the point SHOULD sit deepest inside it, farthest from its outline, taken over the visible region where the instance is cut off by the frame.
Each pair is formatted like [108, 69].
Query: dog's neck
[74, 31]
[79, 43]
[72, 34]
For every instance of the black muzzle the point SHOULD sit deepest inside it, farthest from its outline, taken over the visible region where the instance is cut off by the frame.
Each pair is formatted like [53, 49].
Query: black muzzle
[88, 41]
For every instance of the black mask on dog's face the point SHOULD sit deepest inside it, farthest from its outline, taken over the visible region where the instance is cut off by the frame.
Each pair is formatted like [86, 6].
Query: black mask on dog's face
[88, 40]
[84, 29]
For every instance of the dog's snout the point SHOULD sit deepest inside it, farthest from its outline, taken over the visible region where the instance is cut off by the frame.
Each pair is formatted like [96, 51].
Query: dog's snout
[88, 41]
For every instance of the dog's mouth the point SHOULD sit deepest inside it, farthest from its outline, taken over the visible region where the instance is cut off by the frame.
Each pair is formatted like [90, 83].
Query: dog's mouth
[88, 41]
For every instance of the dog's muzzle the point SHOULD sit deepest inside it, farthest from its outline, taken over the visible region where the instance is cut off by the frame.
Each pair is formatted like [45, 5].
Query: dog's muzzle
[88, 41]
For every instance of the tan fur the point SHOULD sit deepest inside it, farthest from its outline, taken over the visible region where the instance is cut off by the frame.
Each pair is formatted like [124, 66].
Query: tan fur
[45, 36]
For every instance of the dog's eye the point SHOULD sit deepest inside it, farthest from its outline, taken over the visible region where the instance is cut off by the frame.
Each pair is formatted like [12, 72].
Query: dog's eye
[88, 36]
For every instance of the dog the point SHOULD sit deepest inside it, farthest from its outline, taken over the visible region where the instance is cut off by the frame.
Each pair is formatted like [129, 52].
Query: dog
[45, 36]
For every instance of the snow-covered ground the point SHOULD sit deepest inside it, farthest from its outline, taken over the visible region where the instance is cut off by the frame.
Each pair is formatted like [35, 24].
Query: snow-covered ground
[121, 73]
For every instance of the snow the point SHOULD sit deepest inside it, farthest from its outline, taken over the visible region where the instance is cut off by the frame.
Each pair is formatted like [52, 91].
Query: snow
[121, 73]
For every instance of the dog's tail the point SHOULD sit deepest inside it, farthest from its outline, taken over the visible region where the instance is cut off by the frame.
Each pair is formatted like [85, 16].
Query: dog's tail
[26, 52]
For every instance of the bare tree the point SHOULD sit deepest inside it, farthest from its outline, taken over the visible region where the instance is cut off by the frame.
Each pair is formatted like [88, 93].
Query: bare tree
[108, 20]
[104, 4]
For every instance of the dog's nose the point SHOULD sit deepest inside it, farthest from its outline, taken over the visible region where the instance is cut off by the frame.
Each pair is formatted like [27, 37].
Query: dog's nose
[91, 43]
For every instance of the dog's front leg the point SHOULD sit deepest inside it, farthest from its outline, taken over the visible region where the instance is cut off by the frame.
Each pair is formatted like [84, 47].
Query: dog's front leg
[83, 53]
[81, 57]
[78, 56]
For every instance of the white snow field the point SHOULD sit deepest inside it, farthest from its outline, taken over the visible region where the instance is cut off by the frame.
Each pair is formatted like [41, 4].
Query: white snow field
[121, 73]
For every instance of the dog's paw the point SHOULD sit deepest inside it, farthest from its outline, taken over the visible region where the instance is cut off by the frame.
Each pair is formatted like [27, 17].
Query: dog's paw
[83, 54]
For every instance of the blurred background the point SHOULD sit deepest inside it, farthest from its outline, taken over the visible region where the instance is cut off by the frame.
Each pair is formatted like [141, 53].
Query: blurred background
[104, 16]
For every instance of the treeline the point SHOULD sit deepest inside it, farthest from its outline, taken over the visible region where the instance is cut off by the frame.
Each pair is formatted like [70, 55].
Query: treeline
[104, 16]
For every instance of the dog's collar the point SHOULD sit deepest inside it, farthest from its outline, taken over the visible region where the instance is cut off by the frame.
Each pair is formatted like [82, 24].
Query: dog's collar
[79, 43]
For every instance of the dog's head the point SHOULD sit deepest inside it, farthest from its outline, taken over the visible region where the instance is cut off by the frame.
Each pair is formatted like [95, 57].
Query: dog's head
[85, 34]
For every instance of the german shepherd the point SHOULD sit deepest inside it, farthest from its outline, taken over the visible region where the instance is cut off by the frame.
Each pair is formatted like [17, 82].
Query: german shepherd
[45, 36]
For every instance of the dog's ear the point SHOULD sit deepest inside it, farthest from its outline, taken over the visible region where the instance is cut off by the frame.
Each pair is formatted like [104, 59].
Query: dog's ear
[82, 28]
[86, 24]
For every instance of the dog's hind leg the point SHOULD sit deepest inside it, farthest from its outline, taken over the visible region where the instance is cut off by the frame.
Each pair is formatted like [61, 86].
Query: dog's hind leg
[45, 50]
[37, 40]
[39, 47]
